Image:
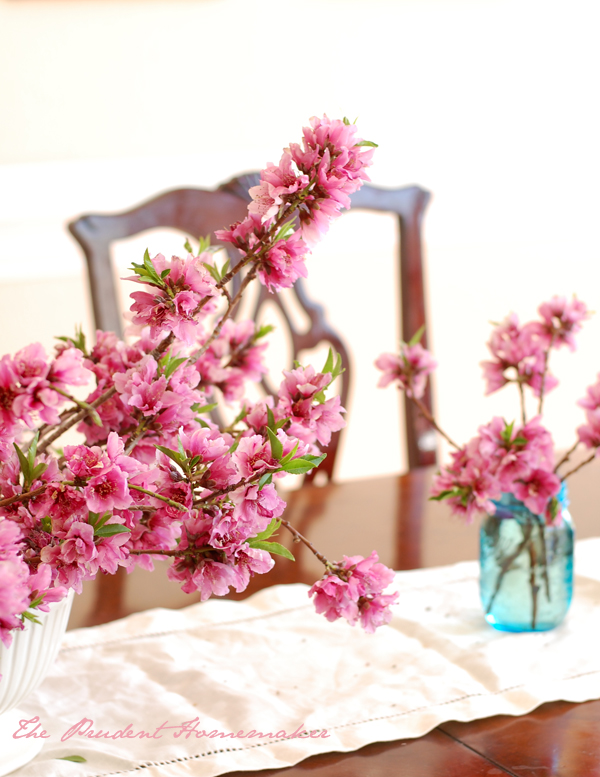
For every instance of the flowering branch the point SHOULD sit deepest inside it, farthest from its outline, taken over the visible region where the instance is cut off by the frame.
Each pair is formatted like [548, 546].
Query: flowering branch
[146, 424]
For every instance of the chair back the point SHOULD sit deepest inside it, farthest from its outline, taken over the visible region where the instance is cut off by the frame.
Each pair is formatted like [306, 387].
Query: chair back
[200, 212]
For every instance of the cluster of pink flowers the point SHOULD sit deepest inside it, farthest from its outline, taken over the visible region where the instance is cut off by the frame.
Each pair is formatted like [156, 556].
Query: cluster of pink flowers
[409, 369]
[33, 386]
[505, 458]
[156, 475]
[521, 352]
[354, 590]
[501, 459]
[315, 181]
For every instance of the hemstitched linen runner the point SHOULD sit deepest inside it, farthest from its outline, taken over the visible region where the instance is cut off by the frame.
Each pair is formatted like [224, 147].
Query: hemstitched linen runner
[266, 682]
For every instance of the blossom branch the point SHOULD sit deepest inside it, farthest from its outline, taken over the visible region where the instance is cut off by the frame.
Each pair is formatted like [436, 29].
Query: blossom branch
[301, 538]
[70, 422]
[425, 411]
[230, 308]
[170, 502]
[545, 372]
[20, 497]
[522, 398]
[567, 456]
[579, 466]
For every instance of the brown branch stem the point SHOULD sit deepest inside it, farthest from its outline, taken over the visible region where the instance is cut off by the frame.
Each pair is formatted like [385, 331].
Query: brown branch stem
[579, 466]
[20, 497]
[68, 423]
[507, 563]
[301, 538]
[425, 411]
[566, 457]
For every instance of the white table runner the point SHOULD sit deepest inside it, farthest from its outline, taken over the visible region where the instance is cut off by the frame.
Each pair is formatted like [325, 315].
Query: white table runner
[271, 665]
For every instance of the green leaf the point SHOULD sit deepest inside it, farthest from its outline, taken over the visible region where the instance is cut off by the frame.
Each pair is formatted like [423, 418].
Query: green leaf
[204, 244]
[39, 470]
[328, 366]
[188, 246]
[366, 143]
[272, 547]
[175, 456]
[338, 369]
[24, 462]
[77, 342]
[265, 480]
[37, 601]
[46, 523]
[442, 495]
[417, 335]
[269, 531]
[519, 441]
[30, 617]
[197, 408]
[290, 455]
[110, 530]
[164, 273]
[213, 271]
[271, 419]
[225, 268]
[316, 460]
[239, 416]
[31, 453]
[299, 466]
[263, 331]
[76, 759]
[284, 231]
[98, 522]
[173, 365]
[346, 121]
[276, 445]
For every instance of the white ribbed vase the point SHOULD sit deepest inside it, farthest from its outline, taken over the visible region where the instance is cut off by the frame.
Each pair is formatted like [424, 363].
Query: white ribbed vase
[23, 666]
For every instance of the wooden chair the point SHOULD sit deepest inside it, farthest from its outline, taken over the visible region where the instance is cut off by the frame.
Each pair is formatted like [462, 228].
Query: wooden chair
[199, 212]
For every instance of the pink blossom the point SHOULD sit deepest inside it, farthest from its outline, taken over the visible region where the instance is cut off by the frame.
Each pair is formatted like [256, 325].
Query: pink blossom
[536, 490]
[249, 562]
[589, 433]
[253, 455]
[255, 508]
[108, 491]
[111, 553]
[283, 263]
[232, 358]
[245, 234]
[278, 184]
[14, 577]
[173, 307]
[14, 595]
[468, 483]
[562, 320]
[68, 369]
[410, 369]
[522, 349]
[9, 390]
[592, 400]
[208, 444]
[353, 589]
[140, 387]
[31, 365]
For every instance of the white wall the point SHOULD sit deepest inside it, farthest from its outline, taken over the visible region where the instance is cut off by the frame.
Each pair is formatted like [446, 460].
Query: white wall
[491, 104]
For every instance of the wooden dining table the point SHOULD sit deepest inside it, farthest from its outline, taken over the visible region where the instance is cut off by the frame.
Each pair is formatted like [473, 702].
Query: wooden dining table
[394, 515]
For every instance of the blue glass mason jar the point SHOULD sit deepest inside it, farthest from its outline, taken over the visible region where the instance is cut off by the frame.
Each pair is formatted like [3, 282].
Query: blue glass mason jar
[526, 567]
